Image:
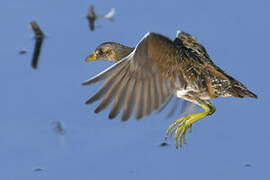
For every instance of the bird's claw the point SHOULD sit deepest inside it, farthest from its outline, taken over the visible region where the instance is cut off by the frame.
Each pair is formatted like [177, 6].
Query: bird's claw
[179, 128]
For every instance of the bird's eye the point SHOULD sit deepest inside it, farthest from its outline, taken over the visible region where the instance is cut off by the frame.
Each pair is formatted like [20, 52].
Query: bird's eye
[100, 52]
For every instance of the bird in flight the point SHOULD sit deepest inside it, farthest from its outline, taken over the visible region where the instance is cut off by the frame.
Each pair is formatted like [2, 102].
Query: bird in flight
[144, 78]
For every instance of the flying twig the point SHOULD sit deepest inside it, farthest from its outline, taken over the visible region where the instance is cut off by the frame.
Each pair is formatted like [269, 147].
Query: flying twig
[39, 36]
[91, 18]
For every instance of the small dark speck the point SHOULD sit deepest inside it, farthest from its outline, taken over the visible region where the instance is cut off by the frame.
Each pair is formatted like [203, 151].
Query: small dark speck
[131, 171]
[22, 52]
[163, 144]
[247, 165]
[38, 169]
[59, 128]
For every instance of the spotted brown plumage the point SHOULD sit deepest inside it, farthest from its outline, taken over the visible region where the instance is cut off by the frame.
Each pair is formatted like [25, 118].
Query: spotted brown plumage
[219, 83]
[146, 77]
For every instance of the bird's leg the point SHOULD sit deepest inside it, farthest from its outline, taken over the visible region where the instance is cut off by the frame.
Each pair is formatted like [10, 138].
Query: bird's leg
[180, 126]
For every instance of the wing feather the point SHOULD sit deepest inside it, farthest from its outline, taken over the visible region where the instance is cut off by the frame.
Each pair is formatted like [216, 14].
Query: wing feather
[139, 100]
[107, 72]
[129, 100]
[153, 94]
[119, 99]
[110, 94]
[147, 98]
[102, 91]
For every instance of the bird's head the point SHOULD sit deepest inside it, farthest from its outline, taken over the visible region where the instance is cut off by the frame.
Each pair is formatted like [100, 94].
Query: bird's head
[110, 51]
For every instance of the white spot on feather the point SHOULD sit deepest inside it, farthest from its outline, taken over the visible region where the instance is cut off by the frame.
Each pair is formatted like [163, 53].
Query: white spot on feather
[181, 93]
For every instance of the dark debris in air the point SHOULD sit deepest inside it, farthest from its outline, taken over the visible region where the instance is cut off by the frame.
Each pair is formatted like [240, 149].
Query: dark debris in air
[39, 36]
[92, 17]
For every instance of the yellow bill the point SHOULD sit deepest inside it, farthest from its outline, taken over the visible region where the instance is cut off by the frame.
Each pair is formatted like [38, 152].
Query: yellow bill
[92, 57]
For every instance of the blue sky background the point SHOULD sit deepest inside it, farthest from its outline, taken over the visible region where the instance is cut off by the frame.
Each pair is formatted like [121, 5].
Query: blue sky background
[231, 144]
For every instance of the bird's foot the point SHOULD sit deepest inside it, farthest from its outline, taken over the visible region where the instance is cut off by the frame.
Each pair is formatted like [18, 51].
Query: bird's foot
[180, 126]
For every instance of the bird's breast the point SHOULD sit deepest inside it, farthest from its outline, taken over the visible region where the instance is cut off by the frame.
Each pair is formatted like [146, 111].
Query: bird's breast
[188, 92]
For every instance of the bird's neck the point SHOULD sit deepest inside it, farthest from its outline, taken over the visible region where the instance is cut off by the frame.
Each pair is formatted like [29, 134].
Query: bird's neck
[123, 52]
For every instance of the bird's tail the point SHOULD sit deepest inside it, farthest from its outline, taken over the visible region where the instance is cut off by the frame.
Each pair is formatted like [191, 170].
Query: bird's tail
[241, 91]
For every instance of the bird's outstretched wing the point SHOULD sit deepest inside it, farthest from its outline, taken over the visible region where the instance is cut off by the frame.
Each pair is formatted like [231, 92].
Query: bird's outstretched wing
[140, 81]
